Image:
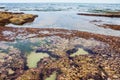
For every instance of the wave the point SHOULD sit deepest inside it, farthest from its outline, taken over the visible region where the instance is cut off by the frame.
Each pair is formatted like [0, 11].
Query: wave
[60, 7]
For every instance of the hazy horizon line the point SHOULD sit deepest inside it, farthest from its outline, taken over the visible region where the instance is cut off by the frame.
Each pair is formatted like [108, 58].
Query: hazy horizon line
[66, 2]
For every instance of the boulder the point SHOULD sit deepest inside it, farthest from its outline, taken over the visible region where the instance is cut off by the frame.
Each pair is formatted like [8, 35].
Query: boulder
[15, 18]
[17, 21]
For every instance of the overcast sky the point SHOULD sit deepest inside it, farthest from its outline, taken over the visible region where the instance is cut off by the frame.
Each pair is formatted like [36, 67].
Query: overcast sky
[78, 1]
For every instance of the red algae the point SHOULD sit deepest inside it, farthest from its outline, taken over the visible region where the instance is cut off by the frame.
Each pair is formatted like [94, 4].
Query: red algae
[111, 26]
[104, 64]
[111, 40]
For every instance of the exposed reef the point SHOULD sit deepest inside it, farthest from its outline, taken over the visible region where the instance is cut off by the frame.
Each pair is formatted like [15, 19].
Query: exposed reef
[104, 14]
[111, 26]
[11, 34]
[12, 65]
[15, 18]
[39, 53]
[101, 62]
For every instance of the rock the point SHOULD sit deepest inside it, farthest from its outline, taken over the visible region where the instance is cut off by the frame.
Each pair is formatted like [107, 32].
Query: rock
[17, 21]
[107, 14]
[115, 77]
[31, 74]
[15, 18]
[10, 71]
[3, 21]
[71, 51]
[24, 18]
[111, 26]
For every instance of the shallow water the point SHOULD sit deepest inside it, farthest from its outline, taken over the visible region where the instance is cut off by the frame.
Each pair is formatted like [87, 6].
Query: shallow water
[72, 21]
[36, 49]
[33, 58]
[59, 17]
[64, 15]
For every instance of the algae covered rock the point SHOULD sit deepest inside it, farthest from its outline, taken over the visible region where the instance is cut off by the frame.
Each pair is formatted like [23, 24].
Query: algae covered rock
[12, 66]
[15, 18]
[31, 74]
[17, 21]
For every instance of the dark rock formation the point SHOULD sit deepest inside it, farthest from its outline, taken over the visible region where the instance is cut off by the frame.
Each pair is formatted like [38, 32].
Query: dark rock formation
[109, 14]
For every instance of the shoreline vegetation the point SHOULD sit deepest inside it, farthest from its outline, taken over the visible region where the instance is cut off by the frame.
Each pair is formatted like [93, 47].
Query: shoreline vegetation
[69, 54]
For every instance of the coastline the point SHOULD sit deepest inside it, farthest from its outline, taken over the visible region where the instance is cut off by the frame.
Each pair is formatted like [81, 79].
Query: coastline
[100, 59]
[67, 34]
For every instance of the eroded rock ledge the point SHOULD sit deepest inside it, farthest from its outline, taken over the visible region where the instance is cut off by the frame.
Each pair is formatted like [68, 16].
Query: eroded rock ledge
[15, 18]
[106, 14]
[111, 26]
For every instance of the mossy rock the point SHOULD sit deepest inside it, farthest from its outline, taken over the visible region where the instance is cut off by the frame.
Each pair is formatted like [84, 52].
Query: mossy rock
[17, 21]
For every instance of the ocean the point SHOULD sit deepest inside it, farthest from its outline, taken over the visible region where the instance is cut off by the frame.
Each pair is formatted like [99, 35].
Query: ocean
[47, 7]
[64, 15]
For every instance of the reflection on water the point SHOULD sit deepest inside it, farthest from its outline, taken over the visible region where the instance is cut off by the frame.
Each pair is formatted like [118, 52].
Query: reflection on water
[72, 21]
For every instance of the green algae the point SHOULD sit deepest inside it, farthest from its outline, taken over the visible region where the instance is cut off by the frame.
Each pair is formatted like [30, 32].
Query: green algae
[33, 58]
[52, 77]
[79, 52]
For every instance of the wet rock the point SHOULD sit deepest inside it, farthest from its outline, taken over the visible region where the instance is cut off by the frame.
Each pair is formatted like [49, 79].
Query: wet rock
[111, 26]
[108, 14]
[13, 65]
[44, 50]
[32, 74]
[21, 19]
[17, 21]
[71, 51]
[102, 66]
[15, 18]
[10, 71]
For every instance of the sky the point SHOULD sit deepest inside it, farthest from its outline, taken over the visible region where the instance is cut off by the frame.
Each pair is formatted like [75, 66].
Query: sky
[77, 1]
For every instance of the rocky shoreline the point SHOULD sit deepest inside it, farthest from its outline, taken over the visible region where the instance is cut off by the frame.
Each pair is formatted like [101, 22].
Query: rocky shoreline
[103, 64]
[71, 54]
[15, 18]
[105, 14]
[22, 33]
[114, 27]
[13, 65]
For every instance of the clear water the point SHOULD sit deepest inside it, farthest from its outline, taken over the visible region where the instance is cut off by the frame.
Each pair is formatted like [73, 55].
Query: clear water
[64, 15]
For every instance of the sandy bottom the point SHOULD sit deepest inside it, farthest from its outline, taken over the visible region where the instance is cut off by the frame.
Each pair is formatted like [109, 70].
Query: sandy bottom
[33, 58]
